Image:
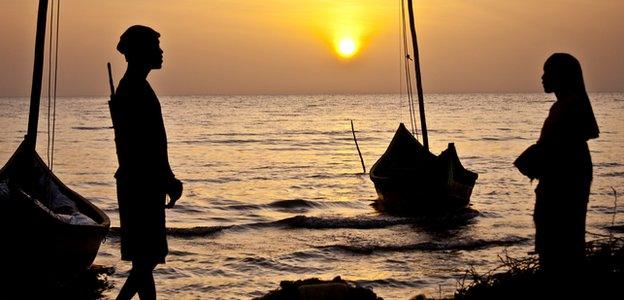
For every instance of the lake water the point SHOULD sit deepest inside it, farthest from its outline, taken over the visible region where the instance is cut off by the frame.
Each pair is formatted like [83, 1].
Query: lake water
[273, 189]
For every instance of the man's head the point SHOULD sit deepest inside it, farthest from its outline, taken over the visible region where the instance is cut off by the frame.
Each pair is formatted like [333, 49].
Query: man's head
[140, 45]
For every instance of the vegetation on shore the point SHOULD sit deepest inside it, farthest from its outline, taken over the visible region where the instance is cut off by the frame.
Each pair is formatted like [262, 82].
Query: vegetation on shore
[522, 278]
[600, 277]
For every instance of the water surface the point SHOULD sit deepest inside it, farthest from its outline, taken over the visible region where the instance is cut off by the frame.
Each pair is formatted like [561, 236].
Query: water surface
[273, 190]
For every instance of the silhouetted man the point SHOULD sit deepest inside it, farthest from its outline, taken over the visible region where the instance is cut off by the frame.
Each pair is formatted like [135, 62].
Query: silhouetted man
[144, 176]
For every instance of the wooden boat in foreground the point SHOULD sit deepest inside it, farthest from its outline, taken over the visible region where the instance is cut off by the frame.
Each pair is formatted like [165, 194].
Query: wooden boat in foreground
[47, 229]
[45, 224]
[408, 178]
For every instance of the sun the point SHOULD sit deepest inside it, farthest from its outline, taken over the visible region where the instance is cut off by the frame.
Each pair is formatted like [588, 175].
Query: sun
[346, 47]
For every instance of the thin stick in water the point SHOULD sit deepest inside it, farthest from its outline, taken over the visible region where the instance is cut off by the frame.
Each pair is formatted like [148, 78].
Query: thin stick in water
[358, 148]
[614, 207]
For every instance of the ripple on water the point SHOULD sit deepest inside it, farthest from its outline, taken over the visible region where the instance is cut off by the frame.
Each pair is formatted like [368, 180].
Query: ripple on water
[459, 245]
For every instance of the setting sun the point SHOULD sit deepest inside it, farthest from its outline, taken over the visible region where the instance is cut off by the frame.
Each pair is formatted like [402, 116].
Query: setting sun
[346, 47]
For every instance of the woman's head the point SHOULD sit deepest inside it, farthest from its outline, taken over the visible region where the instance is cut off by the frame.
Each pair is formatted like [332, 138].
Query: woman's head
[562, 73]
[563, 76]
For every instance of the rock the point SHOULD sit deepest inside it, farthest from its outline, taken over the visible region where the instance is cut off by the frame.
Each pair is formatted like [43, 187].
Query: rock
[316, 289]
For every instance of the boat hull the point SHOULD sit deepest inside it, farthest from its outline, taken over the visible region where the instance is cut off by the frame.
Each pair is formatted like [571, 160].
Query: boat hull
[37, 240]
[411, 180]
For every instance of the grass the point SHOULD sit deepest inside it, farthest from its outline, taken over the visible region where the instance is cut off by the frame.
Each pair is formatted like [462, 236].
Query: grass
[523, 277]
[600, 277]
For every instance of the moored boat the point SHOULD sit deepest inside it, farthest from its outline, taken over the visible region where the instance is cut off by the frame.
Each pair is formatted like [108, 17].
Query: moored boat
[45, 224]
[411, 180]
[47, 229]
[408, 178]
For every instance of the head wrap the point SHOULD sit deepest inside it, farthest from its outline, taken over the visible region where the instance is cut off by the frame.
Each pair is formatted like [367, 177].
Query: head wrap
[135, 39]
[574, 105]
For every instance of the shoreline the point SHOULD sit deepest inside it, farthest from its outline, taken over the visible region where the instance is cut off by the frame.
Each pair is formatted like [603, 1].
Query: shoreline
[515, 278]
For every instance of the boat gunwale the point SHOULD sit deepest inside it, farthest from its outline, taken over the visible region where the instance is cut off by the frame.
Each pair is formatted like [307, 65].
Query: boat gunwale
[74, 196]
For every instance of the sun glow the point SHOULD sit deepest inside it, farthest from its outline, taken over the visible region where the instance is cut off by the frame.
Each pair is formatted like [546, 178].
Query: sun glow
[346, 47]
[347, 28]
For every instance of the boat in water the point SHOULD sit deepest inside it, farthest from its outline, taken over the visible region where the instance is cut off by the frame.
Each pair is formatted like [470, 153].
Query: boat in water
[408, 178]
[47, 229]
[411, 180]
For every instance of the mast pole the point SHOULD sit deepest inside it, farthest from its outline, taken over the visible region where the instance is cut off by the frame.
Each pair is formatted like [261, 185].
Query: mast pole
[35, 92]
[421, 102]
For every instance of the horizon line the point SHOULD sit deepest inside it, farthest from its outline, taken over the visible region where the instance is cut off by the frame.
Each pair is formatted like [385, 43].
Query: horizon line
[161, 95]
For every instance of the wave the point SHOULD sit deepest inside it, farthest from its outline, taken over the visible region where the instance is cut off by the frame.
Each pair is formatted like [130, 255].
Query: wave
[293, 222]
[92, 127]
[200, 231]
[465, 245]
[614, 174]
[367, 222]
[390, 283]
[213, 180]
[293, 203]
[333, 223]
[294, 206]
[306, 222]
[97, 183]
[499, 139]
[242, 207]
[607, 164]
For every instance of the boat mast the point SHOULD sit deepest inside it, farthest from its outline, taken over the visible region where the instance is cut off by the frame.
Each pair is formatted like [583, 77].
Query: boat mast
[35, 92]
[421, 102]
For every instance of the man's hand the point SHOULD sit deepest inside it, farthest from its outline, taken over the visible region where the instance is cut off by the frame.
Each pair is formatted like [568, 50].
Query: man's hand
[174, 190]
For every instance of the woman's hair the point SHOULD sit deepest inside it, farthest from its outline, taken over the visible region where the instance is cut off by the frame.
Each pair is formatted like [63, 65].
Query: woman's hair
[566, 71]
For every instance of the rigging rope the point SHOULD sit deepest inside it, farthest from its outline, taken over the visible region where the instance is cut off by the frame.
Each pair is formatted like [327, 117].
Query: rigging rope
[56, 50]
[49, 79]
[401, 62]
[52, 81]
[408, 77]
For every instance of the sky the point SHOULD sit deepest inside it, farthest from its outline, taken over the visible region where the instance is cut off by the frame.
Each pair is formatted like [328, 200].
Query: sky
[290, 47]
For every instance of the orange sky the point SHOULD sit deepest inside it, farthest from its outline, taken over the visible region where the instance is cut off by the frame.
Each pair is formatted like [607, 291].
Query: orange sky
[285, 46]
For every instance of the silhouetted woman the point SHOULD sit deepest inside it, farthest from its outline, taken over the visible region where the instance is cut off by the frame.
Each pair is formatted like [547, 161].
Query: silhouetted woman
[564, 168]
[144, 176]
